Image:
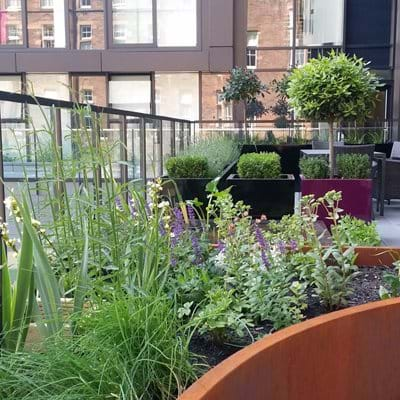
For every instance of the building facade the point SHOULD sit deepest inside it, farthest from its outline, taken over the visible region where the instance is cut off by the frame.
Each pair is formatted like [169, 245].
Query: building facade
[172, 57]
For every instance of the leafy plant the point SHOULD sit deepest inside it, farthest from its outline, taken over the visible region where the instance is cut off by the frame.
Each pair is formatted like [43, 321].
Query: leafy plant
[333, 88]
[314, 167]
[353, 166]
[392, 281]
[187, 167]
[259, 166]
[356, 232]
[219, 152]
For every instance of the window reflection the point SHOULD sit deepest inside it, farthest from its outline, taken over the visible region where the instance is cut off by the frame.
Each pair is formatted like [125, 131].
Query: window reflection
[11, 23]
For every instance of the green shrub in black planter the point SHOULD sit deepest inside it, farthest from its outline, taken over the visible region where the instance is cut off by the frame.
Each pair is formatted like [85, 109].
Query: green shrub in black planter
[260, 184]
[353, 166]
[187, 167]
[259, 166]
[314, 167]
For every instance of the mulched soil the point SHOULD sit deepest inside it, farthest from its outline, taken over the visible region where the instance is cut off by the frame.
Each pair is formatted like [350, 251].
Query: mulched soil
[365, 290]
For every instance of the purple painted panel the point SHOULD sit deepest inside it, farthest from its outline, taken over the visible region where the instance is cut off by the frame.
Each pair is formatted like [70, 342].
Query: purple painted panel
[221, 59]
[356, 194]
[221, 23]
[7, 63]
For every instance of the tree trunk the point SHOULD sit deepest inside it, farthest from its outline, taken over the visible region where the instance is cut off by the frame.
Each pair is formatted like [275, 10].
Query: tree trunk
[332, 161]
[246, 130]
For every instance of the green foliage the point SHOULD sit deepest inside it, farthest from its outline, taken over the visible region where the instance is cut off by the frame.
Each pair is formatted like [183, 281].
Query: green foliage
[353, 166]
[259, 166]
[219, 152]
[333, 88]
[392, 283]
[364, 136]
[314, 167]
[356, 232]
[187, 167]
[132, 348]
[243, 85]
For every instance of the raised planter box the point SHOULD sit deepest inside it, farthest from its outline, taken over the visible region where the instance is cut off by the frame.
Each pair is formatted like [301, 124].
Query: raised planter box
[347, 355]
[272, 197]
[356, 195]
[192, 188]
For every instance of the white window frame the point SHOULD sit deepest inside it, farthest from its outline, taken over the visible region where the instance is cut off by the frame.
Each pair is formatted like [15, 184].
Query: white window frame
[47, 4]
[82, 5]
[47, 38]
[251, 53]
[121, 38]
[87, 96]
[85, 38]
[118, 4]
[13, 5]
[17, 34]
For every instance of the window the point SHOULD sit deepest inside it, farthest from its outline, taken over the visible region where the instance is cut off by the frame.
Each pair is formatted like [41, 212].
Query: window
[13, 4]
[252, 43]
[132, 24]
[14, 35]
[130, 92]
[46, 4]
[86, 4]
[177, 23]
[47, 36]
[224, 109]
[87, 96]
[85, 37]
[119, 32]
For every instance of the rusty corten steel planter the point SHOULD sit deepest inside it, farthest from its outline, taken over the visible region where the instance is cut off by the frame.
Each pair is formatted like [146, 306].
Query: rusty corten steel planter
[352, 354]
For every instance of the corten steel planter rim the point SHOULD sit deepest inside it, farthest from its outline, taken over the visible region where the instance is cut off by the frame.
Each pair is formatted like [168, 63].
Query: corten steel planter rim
[217, 375]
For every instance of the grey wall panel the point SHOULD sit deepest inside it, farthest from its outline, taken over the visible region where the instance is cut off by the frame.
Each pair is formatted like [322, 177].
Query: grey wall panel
[221, 23]
[221, 59]
[7, 63]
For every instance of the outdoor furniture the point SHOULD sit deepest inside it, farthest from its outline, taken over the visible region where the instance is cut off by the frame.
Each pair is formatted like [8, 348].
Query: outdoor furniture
[323, 145]
[391, 178]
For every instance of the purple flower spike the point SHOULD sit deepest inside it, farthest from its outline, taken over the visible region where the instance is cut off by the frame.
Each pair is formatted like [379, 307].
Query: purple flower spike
[191, 215]
[261, 239]
[118, 203]
[196, 249]
[162, 229]
[131, 204]
[221, 246]
[282, 247]
[265, 259]
[293, 245]
[178, 226]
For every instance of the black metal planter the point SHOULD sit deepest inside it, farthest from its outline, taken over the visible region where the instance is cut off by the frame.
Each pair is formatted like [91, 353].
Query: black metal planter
[271, 197]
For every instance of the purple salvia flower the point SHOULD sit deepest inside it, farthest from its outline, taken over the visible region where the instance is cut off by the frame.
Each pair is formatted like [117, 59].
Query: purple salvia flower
[178, 226]
[196, 249]
[131, 204]
[221, 246]
[162, 229]
[282, 247]
[265, 259]
[118, 203]
[261, 239]
[191, 215]
[293, 245]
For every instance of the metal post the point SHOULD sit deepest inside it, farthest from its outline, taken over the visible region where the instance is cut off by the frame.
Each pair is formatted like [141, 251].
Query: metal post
[160, 140]
[59, 188]
[173, 139]
[143, 155]
[123, 150]
[181, 136]
[188, 127]
[3, 217]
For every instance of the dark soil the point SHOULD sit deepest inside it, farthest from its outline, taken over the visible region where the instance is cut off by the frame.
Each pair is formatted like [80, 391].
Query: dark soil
[365, 290]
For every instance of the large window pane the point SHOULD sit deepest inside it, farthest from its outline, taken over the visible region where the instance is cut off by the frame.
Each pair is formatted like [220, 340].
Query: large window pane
[177, 95]
[320, 22]
[132, 93]
[10, 23]
[10, 84]
[132, 21]
[177, 23]
[46, 24]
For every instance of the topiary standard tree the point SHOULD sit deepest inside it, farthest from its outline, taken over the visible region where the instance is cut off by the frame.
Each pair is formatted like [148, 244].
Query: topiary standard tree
[333, 88]
[244, 85]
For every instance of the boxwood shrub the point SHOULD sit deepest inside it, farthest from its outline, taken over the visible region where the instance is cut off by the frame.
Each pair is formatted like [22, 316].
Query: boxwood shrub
[314, 167]
[187, 167]
[259, 166]
[353, 166]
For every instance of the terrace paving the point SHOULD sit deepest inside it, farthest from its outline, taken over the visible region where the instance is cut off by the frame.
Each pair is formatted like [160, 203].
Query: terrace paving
[389, 224]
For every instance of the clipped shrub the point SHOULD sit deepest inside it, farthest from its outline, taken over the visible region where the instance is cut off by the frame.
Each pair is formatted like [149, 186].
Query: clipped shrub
[314, 167]
[353, 166]
[259, 166]
[187, 167]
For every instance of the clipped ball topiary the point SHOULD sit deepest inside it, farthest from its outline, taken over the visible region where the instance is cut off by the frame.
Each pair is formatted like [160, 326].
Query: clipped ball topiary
[187, 167]
[314, 168]
[259, 166]
[353, 166]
